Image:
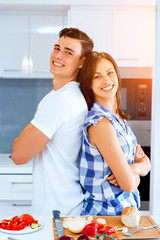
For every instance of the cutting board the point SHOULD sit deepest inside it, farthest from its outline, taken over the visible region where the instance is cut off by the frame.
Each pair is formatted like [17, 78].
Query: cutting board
[116, 223]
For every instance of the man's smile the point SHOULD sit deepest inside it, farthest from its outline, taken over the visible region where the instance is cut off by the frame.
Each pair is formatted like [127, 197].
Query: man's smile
[57, 64]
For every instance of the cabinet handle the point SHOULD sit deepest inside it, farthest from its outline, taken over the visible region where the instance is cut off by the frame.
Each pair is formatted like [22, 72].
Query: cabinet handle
[13, 70]
[131, 59]
[140, 130]
[41, 71]
[21, 204]
[21, 183]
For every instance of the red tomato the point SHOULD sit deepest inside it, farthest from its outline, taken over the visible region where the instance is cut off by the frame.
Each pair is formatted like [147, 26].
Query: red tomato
[100, 226]
[91, 229]
[28, 219]
[107, 230]
[17, 223]
[19, 226]
[110, 230]
[3, 225]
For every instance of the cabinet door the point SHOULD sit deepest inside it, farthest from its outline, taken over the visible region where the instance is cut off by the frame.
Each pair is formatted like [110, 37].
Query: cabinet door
[14, 46]
[96, 22]
[43, 35]
[16, 187]
[133, 36]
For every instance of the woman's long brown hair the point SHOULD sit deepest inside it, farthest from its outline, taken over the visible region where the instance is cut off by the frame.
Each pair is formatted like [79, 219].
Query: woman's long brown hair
[86, 78]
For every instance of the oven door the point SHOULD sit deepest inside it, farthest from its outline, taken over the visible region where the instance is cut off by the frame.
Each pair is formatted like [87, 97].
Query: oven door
[136, 98]
[142, 131]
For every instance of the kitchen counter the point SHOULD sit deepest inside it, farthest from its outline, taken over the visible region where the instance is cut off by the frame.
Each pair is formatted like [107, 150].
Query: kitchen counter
[47, 231]
[8, 166]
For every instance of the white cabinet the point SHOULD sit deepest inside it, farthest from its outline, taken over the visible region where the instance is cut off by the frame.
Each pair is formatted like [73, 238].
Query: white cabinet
[134, 36]
[16, 182]
[16, 188]
[14, 46]
[96, 21]
[43, 35]
[26, 43]
[127, 33]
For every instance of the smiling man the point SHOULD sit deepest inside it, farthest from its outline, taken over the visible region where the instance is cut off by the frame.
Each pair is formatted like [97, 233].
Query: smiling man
[54, 135]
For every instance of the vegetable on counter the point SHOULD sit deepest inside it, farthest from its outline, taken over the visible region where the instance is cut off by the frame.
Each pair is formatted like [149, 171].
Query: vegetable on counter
[83, 237]
[18, 223]
[97, 230]
[91, 229]
[107, 229]
[35, 225]
[101, 220]
[76, 225]
[28, 219]
[65, 237]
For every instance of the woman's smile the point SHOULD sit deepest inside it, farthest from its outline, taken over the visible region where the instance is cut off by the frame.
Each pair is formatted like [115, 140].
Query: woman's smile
[108, 88]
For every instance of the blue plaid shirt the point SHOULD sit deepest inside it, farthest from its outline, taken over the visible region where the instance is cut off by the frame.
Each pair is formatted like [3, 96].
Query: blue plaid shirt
[101, 197]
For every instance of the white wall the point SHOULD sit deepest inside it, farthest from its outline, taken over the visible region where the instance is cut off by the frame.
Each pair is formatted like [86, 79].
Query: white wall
[83, 2]
[155, 154]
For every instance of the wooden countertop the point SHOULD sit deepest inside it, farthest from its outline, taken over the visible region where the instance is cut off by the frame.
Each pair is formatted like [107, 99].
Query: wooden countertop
[115, 222]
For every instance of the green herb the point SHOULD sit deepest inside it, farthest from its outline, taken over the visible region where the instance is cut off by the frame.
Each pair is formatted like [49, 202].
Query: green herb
[105, 235]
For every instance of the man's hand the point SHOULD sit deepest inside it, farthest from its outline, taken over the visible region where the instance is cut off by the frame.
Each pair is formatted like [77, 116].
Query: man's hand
[112, 180]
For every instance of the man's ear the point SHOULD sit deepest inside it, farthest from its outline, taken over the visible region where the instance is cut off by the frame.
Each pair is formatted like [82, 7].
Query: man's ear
[82, 61]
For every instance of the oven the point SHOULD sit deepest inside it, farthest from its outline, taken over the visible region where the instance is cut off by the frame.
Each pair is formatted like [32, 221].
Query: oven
[136, 101]
[136, 98]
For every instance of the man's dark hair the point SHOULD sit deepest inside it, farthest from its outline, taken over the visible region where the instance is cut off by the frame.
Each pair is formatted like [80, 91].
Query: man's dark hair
[86, 42]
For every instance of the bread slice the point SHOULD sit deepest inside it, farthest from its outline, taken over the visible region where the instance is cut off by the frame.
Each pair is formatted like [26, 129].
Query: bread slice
[130, 217]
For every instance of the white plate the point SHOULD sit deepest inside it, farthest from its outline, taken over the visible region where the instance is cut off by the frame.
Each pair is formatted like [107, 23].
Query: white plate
[23, 231]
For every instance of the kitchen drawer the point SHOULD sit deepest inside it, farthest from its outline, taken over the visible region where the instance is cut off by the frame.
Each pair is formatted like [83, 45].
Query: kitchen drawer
[16, 187]
[9, 209]
[20, 178]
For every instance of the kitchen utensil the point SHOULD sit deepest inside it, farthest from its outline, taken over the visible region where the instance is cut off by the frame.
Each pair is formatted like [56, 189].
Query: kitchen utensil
[10, 238]
[7, 238]
[58, 222]
[135, 229]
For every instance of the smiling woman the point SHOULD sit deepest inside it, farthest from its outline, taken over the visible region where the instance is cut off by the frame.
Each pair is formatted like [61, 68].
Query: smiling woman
[110, 153]
[105, 81]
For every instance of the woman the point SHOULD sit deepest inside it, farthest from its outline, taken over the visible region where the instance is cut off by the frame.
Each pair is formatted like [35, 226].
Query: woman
[112, 161]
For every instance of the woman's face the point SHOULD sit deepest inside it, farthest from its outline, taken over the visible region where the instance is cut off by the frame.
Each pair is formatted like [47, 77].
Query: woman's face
[105, 81]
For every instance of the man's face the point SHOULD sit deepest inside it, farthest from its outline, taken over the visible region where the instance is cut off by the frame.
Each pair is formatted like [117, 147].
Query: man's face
[65, 58]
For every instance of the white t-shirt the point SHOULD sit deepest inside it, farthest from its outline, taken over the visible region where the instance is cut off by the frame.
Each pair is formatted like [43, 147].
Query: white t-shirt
[60, 116]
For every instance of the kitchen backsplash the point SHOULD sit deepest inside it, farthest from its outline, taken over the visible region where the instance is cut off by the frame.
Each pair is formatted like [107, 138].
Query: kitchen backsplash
[18, 101]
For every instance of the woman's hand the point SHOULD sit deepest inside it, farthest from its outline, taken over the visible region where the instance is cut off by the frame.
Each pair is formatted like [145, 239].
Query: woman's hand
[139, 153]
[112, 180]
[141, 163]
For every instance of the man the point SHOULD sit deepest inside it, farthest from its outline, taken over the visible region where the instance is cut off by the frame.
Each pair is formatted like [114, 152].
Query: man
[54, 135]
